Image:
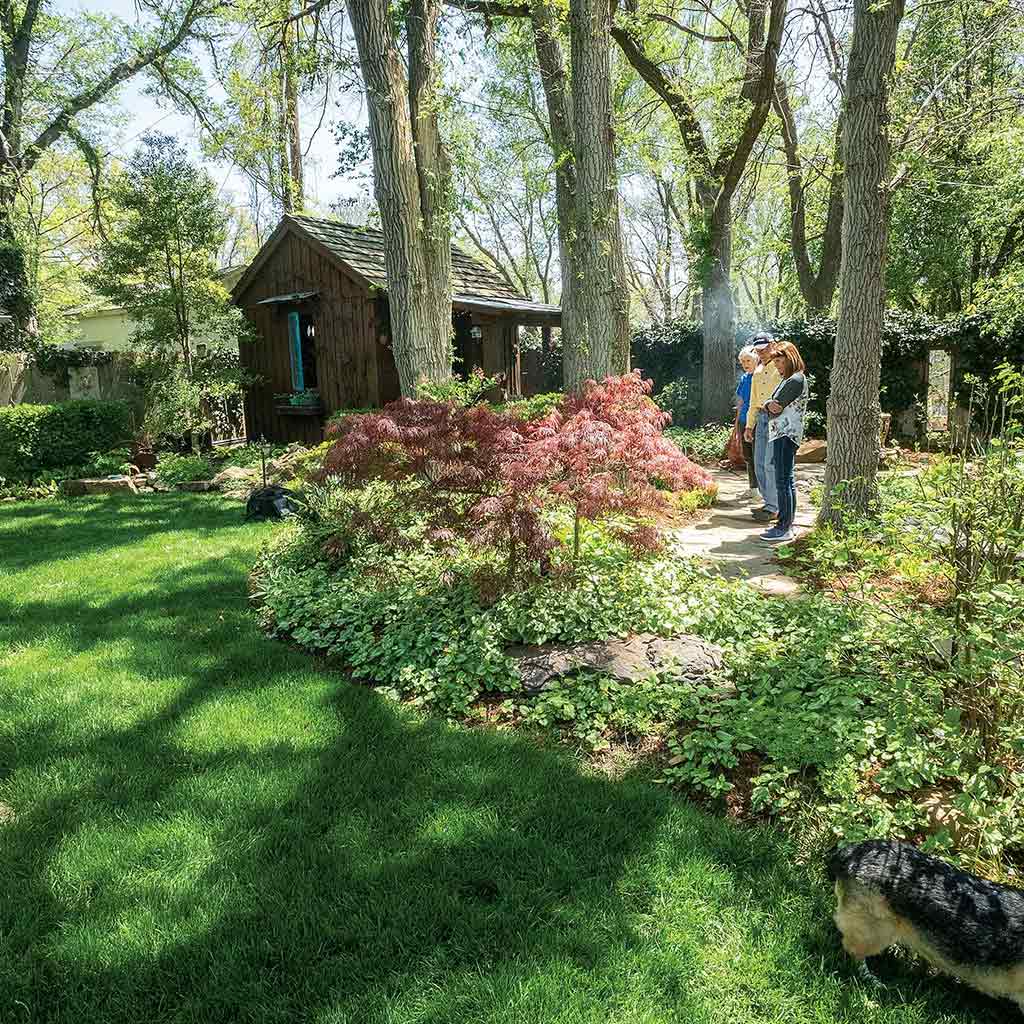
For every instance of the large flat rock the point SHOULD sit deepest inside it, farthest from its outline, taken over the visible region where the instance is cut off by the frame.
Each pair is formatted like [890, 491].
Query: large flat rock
[631, 659]
[117, 485]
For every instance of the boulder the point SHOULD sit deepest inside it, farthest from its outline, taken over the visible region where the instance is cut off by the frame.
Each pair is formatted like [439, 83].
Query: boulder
[776, 585]
[114, 485]
[238, 482]
[197, 486]
[634, 658]
[247, 475]
[281, 468]
[811, 452]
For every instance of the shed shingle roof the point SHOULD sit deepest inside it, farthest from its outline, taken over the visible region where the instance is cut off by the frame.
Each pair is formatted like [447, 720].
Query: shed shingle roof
[362, 248]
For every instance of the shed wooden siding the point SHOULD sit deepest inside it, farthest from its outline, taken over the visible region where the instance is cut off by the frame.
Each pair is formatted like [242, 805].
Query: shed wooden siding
[340, 268]
[349, 356]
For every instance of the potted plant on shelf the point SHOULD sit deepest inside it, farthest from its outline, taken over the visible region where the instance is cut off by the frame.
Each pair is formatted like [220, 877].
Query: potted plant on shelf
[302, 403]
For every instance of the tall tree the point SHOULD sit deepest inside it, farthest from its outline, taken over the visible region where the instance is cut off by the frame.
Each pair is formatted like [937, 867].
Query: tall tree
[159, 258]
[600, 293]
[853, 404]
[641, 34]
[281, 59]
[412, 183]
[595, 288]
[55, 71]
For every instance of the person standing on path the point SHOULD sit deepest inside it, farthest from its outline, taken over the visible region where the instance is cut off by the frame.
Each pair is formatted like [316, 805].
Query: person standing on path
[748, 362]
[764, 381]
[786, 409]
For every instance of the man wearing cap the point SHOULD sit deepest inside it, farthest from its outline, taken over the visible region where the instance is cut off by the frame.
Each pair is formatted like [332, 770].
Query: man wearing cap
[766, 378]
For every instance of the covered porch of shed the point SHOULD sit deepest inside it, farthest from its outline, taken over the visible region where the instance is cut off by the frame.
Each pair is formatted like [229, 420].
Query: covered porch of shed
[486, 334]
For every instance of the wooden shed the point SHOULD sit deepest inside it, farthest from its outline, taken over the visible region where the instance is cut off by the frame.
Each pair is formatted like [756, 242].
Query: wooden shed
[316, 294]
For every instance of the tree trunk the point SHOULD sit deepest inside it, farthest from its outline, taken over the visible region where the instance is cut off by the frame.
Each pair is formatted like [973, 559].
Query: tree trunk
[816, 289]
[551, 62]
[433, 168]
[718, 315]
[291, 101]
[19, 329]
[853, 405]
[410, 186]
[600, 346]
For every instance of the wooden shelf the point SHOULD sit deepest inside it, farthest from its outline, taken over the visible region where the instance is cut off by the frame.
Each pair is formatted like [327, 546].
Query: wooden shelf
[299, 410]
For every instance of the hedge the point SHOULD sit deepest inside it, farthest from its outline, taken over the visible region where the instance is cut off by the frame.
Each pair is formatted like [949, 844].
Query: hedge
[36, 439]
[673, 350]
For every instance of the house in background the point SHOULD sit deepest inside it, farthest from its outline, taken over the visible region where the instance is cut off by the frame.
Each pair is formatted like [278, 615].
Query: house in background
[101, 328]
[316, 295]
[109, 328]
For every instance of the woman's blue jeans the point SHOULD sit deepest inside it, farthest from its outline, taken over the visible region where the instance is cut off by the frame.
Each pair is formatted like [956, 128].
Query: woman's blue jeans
[764, 463]
[785, 480]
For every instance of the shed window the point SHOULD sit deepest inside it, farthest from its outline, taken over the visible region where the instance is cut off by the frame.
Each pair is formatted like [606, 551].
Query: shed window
[302, 351]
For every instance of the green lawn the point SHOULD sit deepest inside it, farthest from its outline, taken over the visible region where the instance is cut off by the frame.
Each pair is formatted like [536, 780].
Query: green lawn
[210, 827]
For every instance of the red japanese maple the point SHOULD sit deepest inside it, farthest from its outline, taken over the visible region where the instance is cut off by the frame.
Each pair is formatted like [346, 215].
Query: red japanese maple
[603, 452]
[488, 476]
[470, 465]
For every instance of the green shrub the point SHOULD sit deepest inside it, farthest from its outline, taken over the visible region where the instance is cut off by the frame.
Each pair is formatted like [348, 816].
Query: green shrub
[429, 624]
[339, 414]
[178, 469]
[468, 390]
[310, 462]
[37, 439]
[18, 490]
[246, 455]
[535, 407]
[701, 444]
[676, 398]
[116, 461]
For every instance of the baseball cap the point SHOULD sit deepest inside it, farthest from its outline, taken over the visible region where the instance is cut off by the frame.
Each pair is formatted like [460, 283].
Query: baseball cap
[760, 340]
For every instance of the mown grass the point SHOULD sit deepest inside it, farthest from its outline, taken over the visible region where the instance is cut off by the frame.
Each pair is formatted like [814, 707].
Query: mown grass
[209, 827]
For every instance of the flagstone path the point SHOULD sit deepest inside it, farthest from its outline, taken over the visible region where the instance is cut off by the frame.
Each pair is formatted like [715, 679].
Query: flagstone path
[728, 537]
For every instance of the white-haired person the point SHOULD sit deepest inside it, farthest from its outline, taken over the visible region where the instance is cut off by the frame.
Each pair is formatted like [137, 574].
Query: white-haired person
[748, 363]
[763, 382]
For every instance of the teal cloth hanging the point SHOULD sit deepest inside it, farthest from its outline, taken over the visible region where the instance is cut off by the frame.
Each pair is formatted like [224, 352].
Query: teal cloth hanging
[295, 347]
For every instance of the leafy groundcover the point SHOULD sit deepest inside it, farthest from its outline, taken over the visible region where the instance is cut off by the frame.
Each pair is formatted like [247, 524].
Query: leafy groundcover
[835, 721]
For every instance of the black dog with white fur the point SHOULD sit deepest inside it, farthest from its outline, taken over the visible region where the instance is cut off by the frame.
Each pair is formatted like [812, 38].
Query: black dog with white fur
[889, 893]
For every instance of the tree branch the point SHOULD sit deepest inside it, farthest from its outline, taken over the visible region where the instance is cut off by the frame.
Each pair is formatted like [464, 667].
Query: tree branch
[92, 160]
[677, 102]
[730, 166]
[703, 37]
[493, 8]
[118, 74]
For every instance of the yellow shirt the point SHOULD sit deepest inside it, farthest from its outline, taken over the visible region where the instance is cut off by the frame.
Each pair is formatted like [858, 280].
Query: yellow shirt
[762, 385]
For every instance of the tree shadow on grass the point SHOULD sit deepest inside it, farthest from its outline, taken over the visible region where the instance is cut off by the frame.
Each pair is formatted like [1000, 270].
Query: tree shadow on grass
[224, 832]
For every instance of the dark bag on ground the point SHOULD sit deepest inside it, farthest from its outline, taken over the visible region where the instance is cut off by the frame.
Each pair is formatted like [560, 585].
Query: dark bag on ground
[272, 502]
[733, 456]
